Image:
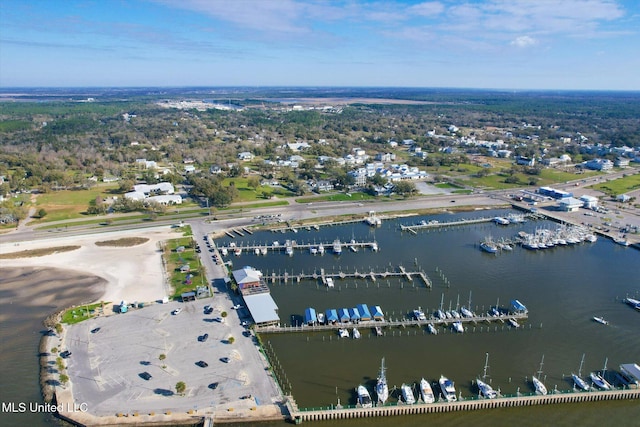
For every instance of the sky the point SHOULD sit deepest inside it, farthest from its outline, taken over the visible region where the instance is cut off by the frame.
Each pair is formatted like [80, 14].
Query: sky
[497, 44]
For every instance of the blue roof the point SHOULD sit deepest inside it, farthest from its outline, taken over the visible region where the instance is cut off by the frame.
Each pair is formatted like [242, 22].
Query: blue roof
[364, 312]
[310, 315]
[343, 313]
[518, 306]
[354, 313]
[332, 315]
[377, 312]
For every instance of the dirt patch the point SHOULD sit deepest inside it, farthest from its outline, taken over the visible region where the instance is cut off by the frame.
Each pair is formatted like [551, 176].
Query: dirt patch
[31, 253]
[124, 242]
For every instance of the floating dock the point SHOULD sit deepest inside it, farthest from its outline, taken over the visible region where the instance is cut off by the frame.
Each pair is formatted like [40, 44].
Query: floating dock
[322, 276]
[297, 246]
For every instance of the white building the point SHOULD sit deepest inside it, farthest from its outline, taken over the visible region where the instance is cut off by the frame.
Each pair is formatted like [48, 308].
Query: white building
[570, 204]
[589, 202]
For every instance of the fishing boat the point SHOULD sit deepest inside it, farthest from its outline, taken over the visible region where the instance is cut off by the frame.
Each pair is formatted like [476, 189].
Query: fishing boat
[599, 380]
[321, 249]
[337, 247]
[356, 333]
[633, 303]
[426, 392]
[514, 323]
[537, 383]
[621, 241]
[485, 389]
[419, 314]
[364, 398]
[489, 246]
[407, 395]
[457, 326]
[501, 220]
[600, 320]
[330, 283]
[447, 388]
[382, 390]
[343, 333]
[577, 379]
[432, 329]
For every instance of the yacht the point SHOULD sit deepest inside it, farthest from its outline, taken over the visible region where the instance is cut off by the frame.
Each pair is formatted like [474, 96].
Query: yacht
[537, 383]
[514, 323]
[485, 389]
[407, 394]
[337, 247]
[633, 303]
[356, 333]
[489, 247]
[600, 320]
[289, 250]
[447, 388]
[457, 326]
[364, 398]
[343, 333]
[577, 379]
[432, 329]
[224, 251]
[426, 392]
[382, 390]
[501, 220]
[419, 315]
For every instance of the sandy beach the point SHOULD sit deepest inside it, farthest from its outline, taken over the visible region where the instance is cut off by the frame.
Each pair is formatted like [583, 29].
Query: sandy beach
[131, 273]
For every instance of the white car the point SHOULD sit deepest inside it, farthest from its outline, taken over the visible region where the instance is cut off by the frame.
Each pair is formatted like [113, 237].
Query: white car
[236, 307]
[176, 311]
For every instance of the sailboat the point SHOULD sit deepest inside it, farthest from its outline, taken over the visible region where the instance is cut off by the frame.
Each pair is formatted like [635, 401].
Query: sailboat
[598, 380]
[382, 390]
[485, 389]
[577, 379]
[537, 383]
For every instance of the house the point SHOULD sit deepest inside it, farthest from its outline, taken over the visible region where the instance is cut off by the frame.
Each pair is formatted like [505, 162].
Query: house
[570, 204]
[249, 281]
[298, 146]
[599, 164]
[589, 202]
[623, 198]
[360, 176]
[525, 161]
[245, 156]
[393, 144]
[621, 162]
[215, 169]
[324, 185]
[189, 169]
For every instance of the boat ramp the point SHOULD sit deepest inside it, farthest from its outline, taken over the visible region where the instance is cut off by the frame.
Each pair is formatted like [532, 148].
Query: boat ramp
[322, 275]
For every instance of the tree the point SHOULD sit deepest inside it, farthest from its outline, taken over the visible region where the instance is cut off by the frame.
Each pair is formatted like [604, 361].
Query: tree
[231, 340]
[162, 356]
[405, 188]
[42, 213]
[180, 387]
[253, 182]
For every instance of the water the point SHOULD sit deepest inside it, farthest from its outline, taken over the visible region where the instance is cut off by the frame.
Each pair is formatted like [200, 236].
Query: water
[562, 288]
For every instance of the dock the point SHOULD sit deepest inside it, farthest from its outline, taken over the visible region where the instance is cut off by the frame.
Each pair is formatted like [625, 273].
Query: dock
[437, 224]
[322, 276]
[391, 323]
[280, 247]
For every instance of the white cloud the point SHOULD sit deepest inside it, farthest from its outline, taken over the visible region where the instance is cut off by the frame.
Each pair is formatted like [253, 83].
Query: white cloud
[426, 9]
[523, 41]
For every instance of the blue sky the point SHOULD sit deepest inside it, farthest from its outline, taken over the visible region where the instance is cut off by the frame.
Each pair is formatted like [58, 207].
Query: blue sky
[510, 44]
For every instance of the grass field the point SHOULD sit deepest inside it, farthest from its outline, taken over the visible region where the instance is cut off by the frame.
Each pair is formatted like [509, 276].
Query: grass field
[620, 185]
[248, 194]
[78, 314]
[69, 204]
[338, 197]
[183, 282]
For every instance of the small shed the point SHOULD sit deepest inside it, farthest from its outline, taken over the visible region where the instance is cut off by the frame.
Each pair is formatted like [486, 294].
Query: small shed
[332, 315]
[310, 317]
[185, 268]
[343, 315]
[188, 296]
[364, 312]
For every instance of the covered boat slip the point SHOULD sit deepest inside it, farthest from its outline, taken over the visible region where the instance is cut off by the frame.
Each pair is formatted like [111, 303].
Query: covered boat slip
[359, 313]
[332, 316]
[518, 307]
[365, 315]
[310, 316]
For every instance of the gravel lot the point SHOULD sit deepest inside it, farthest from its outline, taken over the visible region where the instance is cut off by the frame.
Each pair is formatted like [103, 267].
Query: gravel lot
[107, 367]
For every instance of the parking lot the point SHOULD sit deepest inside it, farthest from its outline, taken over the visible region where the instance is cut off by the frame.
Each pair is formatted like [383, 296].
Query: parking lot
[116, 364]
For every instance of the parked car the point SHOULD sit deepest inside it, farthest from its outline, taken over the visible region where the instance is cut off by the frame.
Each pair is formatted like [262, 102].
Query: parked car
[145, 376]
[225, 359]
[213, 386]
[204, 337]
[202, 363]
[176, 311]
[95, 330]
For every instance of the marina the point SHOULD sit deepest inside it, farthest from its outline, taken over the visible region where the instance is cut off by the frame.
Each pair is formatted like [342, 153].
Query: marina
[290, 245]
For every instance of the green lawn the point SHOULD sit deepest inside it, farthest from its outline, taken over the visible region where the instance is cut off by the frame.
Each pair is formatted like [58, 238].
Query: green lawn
[174, 260]
[78, 314]
[69, 204]
[248, 194]
[620, 185]
[336, 197]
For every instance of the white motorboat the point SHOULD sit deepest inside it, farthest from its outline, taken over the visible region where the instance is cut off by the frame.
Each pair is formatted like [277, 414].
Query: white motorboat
[457, 326]
[263, 250]
[321, 249]
[447, 388]
[352, 246]
[419, 315]
[364, 398]
[313, 250]
[337, 247]
[426, 392]
[514, 323]
[407, 394]
[343, 333]
[238, 251]
[374, 247]
[378, 331]
[432, 329]
[320, 318]
[356, 333]
[330, 283]
[224, 251]
[382, 390]
[600, 320]
[256, 251]
[289, 250]
[466, 312]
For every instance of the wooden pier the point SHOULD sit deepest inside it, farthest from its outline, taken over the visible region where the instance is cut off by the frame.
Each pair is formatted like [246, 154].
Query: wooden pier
[437, 224]
[298, 416]
[322, 276]
[391, 323]
[328, 246]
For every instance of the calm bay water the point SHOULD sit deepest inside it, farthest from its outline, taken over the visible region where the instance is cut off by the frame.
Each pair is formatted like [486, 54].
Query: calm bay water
[562, 288]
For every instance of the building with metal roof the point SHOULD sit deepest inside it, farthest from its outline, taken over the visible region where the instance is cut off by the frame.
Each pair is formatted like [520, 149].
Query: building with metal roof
[263, 309]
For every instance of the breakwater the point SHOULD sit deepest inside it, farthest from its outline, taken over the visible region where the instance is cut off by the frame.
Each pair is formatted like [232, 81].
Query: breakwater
[338, 413]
